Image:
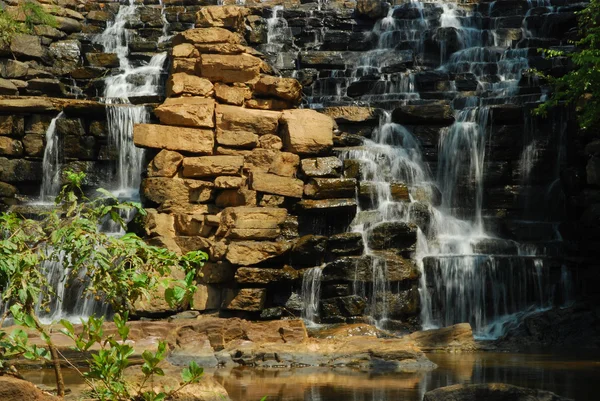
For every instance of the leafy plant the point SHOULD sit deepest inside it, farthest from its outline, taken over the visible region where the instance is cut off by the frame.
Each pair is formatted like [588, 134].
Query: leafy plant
[22, 19]
[118, 269]
[580, 87]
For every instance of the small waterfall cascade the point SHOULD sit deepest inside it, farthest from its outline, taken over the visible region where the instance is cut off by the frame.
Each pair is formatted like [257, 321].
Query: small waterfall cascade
[311, 293]
[51, 164]
[483, 257]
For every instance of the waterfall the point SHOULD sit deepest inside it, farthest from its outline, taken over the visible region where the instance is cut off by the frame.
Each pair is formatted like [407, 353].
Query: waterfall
[51, 163]
[311, 294]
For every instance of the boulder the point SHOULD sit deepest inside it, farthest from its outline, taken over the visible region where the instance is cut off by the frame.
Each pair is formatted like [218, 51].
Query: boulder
[353, 114]
[175, 191]
[229, 182]
[251, 222]
[373, 9]
[10, 68]
[458, 337]
[490, 392]
[212, 166]
[10, 146]
[20, 170]
[185, 50]
[7, 190]
[183, 65]
[308, 250]
[285, 164]
[345, 244]
[187, 111]
[325, 188]
[322, 167]
[229, 68]
[260, 160]
[270, 141]
[397, 235]
[8, 88]
[25, 46]
[360, 268]
[155, 136]
[328, 205]
[12, 388]
[236, 197]
[33, 145]
[288, 89]
[188, 85]
[165, 164]
[434, 113]
[261, 276]
[245, 299]
[277, 185]
[248, 253]
[238, 120]
[244, 140]
[338, 308]
[235, 95]
[306, 131]
[230, 17]
[106, 60]
[202, 36]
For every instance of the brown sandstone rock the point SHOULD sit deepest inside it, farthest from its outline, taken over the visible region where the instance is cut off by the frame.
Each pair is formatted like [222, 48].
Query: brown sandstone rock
[184, 65]
[251, 222]
[201, 36]
[15, 126]
[187, 112]
[159, 224]
[352, 114]
[274, 184]
[228, 182]
[10, 147]
[326, 188]
[211, 166]
[260, 159]
[185, 50]
[236, 197]
[285, 164]
[458, 337]
[245, 299]
[231, 17]
[270, 141]
[12, 388]
[28, 46]
[235, 95]
[237, 139]
[322, 167]
[8, 88]
[257, 275]
[7, 190]
[268, 104]
[283, 88]
[192, 224]
[306, 131]
[175, 191]
[189, 85]
[248, 253]
[490, 392]
[237, 120]
[206, 297]
[229, 68]
[106, 60]
[165, 164]
[173, 138]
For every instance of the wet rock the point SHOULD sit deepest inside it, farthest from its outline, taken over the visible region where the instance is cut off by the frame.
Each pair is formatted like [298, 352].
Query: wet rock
[69, 126]
[7, 190]
[8, 88]
[322, 167]
[326, 188]
[257, 275]
[248, 253]
[251, 222]
[187, 111]
[458, 337]
[229, 68]
[46, 86]
[338, 308]
[199, 141]
[20, 170]
[436, 113]
[184, 84]
[105, 60]
[165, 164]
[327, 205]
[306, 131]
[345, 244]
[335, 290]
[245, 299]
[330, 60]
[360, 268]
[13, 69]
[397, 235]
[308, 250]
[490, 391]
[353, 114]
[277, 185]
[25, 46]
[33, 145]
[373, 9]
[211, 166]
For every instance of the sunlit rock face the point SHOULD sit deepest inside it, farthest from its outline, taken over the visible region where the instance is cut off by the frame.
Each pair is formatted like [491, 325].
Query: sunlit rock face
[361, 161]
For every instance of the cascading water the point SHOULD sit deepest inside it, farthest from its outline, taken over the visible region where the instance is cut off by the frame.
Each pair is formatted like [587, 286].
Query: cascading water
[311, 292]
[51, 164]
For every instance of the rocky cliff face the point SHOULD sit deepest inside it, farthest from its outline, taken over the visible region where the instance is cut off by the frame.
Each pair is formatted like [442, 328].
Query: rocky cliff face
[312, 149]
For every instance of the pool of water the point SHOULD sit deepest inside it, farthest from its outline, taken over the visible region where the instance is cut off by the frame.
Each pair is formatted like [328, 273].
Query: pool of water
[574, 375]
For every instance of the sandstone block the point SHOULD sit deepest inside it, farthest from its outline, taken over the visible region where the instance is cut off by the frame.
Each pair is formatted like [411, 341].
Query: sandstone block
[229, 68]
[206, 297]
[236, 197]
[188, 85]
[7, 190]
[270, 141]
[183, 65]
[251, 222]
[260, 159]
[228, 182]
[240, 121]
[159, 224]
[191, 224]
[211, 166]
[217, 272]
[245, 299]
[283, 88]
[33, 145]
[231, 17]
[277, 185]
[10, 146]
[175, 191]
[187, 112]
[256, 275]
[306, 131]
[165, 164]
[106, 60]
[235, 95]
[285, 164]
[248, 253]
[14, 125]
[28, 46]
[185, 50]
[322, 167]
[201, 36]
[245, 140]
[268, 104]
[325, 188]
[8, 88]
[173, 138]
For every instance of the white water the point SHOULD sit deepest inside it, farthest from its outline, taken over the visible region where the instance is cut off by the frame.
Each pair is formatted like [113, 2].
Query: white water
[51, 179]
[311, 294]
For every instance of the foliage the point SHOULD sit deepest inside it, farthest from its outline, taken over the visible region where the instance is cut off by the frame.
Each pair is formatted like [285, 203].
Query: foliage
[22, 19]
[580, 87]
[117, 269]
[106, 375]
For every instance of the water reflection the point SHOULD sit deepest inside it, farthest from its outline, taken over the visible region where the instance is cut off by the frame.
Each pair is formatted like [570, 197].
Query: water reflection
[571, 376]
